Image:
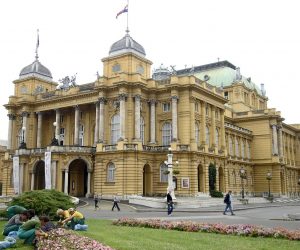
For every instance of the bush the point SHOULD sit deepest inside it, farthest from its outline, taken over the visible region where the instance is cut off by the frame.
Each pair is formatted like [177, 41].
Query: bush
[44, 202]
[215, 193]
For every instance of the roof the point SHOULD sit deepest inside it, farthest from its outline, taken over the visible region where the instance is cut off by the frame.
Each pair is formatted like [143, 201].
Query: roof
[220, 74]
[36, 69]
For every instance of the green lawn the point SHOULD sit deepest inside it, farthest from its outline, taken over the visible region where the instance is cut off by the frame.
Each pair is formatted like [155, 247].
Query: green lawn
[130, 238]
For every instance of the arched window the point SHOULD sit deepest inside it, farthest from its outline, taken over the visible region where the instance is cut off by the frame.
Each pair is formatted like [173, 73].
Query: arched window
[242, 149]
[207, 135]
[166, 134]
[111, 172]
[197, 134]
[237, 151]
[163, 175]
[217, 138]
[230, 145]
[142, 130]
[81, 135]
[115, 129]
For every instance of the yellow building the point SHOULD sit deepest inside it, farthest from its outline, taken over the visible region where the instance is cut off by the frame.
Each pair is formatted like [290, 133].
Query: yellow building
[113, 135]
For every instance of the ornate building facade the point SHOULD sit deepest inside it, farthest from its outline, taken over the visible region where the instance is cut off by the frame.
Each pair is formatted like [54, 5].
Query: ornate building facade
[113, 135]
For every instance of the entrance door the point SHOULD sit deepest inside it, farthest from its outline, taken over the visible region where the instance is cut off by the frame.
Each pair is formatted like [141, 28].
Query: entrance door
[147, 181]
[39, 177]
[221, 180]
[200, 179]
[77, 185]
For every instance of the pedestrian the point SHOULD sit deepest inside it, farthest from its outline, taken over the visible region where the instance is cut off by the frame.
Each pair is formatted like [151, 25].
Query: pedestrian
[116, 201]
[96, 200]
[170, 203]
[15, 222]
[74, 219]
[227, 201]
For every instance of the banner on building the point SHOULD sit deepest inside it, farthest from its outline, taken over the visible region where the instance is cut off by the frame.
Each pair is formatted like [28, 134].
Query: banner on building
[16, 174]
[47, 170]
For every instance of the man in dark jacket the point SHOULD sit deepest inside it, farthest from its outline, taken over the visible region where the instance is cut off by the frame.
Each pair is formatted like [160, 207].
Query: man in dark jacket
[227, 201]
[170, 203]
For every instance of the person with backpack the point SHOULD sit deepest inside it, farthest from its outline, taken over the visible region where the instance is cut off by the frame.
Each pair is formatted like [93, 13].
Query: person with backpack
[227, 201]
[116, 201]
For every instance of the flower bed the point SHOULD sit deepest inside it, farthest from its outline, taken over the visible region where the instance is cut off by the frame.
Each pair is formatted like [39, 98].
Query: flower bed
[188, 226]
[62, 239]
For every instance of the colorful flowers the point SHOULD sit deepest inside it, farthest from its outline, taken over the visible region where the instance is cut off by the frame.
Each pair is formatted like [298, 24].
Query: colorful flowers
[62, 239]
[188, 226]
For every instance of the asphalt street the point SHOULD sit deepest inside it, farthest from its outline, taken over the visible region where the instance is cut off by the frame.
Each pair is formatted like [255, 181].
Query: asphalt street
[267, 215]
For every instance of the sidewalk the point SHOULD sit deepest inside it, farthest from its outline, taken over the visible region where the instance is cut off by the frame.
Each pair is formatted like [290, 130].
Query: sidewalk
[106, 205]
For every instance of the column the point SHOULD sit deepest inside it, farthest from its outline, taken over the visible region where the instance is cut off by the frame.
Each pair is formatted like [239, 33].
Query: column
[57, 120]
[213, 125]
[24, 124]
[223, 146]
[203, 124]
[280, 147]
[275, 140]
[53, 174]
[192, 120]
[39, 130]
[32, 181]
[11, 117]
[152, 121]
[88, 184]
[96, 136]
[66, 181]
[102, 101]
[21, 176]
[174, 118]
[76, 131]
[137, 117]
[122, 98]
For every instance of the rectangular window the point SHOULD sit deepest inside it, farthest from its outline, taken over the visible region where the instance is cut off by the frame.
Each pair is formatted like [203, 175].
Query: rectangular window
[61, 118]
[166, 107]
[226, 96]
[196, 106]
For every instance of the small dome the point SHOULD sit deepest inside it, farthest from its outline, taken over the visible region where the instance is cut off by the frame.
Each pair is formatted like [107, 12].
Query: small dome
[127, 44]
[162, 73]
[36, 69]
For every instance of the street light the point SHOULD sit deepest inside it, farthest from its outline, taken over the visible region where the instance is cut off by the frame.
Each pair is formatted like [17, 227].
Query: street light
[269, 178]
[170, 173]
[54, 140]
[23, 143]
[243, 176]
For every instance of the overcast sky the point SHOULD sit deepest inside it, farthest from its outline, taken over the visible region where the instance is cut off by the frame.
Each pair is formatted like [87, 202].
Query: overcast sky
[261, 37]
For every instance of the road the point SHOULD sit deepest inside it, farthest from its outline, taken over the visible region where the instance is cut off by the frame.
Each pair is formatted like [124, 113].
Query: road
[274, 216]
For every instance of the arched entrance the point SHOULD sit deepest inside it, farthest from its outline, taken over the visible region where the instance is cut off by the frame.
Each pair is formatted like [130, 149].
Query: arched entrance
[39, 177]
[200, 174]
[221, 180]
[147, 181]
[77, 183]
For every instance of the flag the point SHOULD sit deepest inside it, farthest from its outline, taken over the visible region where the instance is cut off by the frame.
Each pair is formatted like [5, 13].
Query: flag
[38, 39]
[123, 11]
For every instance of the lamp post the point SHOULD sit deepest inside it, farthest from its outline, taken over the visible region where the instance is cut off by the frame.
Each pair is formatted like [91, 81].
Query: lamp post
[243, 176]
[23, 143]
[169, 163]
[269, 178]
[54, 140]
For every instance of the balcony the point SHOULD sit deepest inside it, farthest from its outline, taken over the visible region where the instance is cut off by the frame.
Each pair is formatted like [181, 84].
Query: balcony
[156, 148]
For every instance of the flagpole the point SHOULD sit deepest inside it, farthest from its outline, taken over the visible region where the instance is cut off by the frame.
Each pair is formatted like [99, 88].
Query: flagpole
[37, 45]
[127, 29]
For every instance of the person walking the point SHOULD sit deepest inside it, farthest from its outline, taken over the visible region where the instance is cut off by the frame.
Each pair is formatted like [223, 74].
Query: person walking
[96, 200]
[227, 201]
[170, 203]
[116, 201]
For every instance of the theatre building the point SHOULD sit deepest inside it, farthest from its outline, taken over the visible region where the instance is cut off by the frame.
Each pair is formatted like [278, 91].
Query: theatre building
[113, 135]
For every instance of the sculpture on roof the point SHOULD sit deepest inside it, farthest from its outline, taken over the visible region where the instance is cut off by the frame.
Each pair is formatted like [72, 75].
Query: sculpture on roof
[68, 82]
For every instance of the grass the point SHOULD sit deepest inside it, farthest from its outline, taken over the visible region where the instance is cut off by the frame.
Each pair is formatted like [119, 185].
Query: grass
[131, 238]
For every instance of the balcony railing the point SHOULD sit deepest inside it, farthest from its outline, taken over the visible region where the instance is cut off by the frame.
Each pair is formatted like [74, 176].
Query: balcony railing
[112, 147]
[130, 146]
[67, 149]
[156, 148]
